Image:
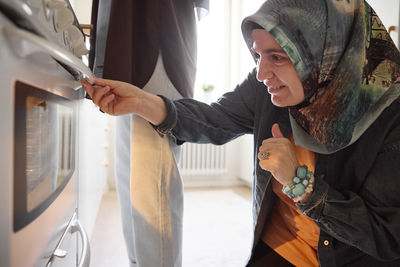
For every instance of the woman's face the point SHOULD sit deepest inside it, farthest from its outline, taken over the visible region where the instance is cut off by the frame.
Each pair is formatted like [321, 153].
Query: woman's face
[276, 70]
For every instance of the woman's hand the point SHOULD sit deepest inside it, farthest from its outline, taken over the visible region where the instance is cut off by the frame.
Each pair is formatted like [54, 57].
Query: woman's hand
[114, 97]
[118, 98]
[281, 161]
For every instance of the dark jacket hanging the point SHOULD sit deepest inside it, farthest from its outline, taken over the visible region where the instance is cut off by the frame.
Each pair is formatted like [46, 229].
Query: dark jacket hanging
[138, 31]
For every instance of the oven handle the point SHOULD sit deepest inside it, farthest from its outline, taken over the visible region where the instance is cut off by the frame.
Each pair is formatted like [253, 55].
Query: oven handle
[25, 43]
[85, 255]
[73, 227]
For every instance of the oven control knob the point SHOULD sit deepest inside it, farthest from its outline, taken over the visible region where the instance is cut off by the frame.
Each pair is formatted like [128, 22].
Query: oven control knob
[55, 4]
[51, 5]
[76, 41]
[34, 4]
[74, 36]
[80, 50]
[63, 18]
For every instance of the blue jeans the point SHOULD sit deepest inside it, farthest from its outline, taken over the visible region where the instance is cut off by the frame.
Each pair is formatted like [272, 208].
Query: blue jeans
[149, 186]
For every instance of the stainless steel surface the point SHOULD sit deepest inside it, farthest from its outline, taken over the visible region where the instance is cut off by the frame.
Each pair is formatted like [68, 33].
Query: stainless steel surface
[74, 227]
[31, 51]
[50, 19]
[25, 44]
[59, 253]
[85, 254]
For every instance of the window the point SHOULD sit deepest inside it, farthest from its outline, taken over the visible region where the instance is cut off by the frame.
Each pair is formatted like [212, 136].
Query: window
[223, 59]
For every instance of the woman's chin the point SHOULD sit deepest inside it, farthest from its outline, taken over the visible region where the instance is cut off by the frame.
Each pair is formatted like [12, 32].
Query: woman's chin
[281, 101]
[278, 101]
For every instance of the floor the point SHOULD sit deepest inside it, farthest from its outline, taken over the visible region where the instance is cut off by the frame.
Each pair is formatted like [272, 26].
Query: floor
[217, 229]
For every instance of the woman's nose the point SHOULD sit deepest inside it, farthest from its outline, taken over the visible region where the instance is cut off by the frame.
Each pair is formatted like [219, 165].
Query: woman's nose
[264, 72]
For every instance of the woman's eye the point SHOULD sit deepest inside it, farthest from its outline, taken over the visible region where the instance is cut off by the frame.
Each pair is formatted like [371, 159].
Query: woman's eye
[277, 58]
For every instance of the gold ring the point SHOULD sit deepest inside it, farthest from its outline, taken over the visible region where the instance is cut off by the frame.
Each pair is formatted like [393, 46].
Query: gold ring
[264, 155]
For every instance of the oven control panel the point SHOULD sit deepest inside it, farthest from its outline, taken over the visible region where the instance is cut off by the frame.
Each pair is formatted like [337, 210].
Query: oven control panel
[52, 19]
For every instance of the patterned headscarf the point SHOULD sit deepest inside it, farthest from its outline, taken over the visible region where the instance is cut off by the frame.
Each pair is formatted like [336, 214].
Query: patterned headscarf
[346, 61]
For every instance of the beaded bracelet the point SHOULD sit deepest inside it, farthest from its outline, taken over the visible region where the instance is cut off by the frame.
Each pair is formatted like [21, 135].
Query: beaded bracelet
[301, 184]
[309, 189]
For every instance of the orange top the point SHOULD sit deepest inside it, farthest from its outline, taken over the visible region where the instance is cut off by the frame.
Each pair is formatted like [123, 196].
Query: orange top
[291, 234]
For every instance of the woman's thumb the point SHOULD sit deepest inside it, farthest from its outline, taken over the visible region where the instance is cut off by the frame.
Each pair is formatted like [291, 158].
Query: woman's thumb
[276, 131]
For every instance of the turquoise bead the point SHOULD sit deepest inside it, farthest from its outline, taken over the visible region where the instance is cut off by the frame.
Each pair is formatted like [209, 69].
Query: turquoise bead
[299, 189]
[296, 180]
[305, 182]
[285, 189]
[301, 172]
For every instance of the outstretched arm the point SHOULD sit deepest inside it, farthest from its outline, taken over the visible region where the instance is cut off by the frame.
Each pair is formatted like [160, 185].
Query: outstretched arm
[118, 98]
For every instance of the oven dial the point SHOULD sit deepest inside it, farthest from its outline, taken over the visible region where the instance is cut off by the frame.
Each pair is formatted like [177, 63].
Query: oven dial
[80, 50]
[34, 3]
[51, 5]
[75, 40]
[63, 18]
[55, 4]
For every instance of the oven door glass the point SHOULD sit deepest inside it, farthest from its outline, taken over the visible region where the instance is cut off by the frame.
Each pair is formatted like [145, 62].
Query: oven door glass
[44, 150]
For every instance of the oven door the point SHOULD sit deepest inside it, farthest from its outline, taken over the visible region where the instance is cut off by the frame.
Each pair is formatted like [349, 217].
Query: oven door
[39, 194]
[44, 150]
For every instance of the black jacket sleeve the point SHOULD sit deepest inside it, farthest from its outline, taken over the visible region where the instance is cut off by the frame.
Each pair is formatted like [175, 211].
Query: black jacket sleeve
[230, 117]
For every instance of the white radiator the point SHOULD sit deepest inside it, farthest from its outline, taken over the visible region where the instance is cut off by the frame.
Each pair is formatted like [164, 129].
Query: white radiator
[203, 159]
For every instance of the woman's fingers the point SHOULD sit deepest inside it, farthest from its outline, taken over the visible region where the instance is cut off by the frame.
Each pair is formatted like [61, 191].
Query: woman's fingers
[105, 82]
[278, 143]
[276, 131]
[263, 154]
[106, 104]
[99, 93]
[277, 156]
[87, 87]
[98, 83]
[275, 141]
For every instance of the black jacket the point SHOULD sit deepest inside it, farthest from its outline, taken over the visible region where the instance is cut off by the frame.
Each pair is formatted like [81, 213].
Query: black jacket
[356, 197]
[128, 36]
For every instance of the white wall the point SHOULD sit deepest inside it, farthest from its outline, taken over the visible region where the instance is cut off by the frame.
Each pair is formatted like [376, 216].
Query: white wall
[94, 162]
[95, 146]
[83, 10]
[225, 62]
[241, 64]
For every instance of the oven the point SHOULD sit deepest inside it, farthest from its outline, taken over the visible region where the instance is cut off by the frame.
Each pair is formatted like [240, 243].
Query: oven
[41, 46]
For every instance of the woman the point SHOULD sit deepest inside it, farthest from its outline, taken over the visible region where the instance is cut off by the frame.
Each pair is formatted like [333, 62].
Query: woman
[326, 136]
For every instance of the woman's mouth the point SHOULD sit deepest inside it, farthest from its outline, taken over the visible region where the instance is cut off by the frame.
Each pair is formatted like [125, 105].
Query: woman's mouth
[275, 89]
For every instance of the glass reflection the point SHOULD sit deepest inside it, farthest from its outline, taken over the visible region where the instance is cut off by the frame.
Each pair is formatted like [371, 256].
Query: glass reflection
[49, 153]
